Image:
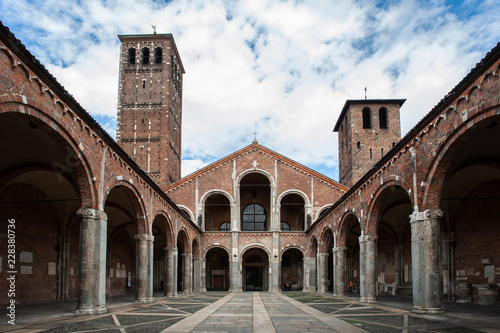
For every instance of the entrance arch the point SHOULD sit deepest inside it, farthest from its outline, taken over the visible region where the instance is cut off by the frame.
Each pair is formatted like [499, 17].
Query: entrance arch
[255, 270]
[292, 269]
[217, 269]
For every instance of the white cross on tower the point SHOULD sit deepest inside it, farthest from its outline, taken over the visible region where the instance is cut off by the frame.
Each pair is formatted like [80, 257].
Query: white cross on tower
[255, 164]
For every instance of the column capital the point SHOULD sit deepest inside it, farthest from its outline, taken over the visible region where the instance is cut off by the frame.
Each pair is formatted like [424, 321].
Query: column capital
[368, 238]
[144, 237]
[91, 213]
[433, 213]
[339, 248]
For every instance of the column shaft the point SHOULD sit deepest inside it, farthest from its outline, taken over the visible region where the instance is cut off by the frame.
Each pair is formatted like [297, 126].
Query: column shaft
[368, 268]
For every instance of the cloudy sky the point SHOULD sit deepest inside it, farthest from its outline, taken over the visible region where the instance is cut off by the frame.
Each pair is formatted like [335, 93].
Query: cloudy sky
[281, 68]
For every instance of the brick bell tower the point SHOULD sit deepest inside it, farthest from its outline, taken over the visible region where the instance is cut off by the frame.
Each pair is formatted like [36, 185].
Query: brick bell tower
[368, 129]
[150, 104]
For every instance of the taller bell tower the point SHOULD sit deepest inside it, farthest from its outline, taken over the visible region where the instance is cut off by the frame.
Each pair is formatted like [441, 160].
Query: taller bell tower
[150, 104]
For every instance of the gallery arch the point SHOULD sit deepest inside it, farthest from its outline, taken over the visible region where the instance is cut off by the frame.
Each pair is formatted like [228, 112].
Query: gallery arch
[217, 213]
[392, 209]
[128, 246]
[255, 202]
[470, 206]
[184, 263]
[292, 213]
[40, 169]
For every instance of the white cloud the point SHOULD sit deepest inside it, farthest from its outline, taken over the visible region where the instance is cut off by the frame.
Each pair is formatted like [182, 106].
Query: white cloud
[284, 68]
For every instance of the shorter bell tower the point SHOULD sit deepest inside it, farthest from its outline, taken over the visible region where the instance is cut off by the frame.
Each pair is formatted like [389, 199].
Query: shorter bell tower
[368, 129]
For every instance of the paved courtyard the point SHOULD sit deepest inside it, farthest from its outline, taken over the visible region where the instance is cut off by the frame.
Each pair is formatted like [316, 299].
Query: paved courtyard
[257, 312]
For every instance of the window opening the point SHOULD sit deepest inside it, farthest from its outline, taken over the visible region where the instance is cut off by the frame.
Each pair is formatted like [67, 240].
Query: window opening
[285, 226]
[367, 118]
[254, 218]
[158, 55]
[145, 56]
[131, 56]
[225, 226]
[382, 116]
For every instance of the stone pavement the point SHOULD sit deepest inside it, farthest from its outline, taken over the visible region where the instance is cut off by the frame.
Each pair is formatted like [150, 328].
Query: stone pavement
[218, 312]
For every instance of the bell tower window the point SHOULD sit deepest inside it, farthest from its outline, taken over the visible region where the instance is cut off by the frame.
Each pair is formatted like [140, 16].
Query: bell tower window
[145, 56]
[131, 56]
[367, 118]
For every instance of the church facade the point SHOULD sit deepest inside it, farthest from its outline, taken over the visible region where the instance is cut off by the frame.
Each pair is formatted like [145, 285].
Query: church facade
[94, 217]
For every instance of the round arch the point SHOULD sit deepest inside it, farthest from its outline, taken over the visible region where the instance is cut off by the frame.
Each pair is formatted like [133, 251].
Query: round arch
[255, 268]
[188, 211]
[135, 199]
[75, 160]
[217, 268]
[294, 191]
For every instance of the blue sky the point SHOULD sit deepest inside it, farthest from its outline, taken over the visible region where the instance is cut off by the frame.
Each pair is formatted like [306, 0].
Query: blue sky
[281, 68]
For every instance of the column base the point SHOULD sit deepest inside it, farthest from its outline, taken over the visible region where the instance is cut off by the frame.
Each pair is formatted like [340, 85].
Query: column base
[142, 300]
[84, 311]
[364, 299]
[425, 310]
[236, 290]
[340, 295]
[100, 309]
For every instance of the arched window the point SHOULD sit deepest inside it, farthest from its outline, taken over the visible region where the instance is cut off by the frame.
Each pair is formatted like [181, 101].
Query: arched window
[131, 56]
[225, 226]
[382, 117]
[285, 226]
[158, 55]
[145, 56]
[254, 218]
[367, 118]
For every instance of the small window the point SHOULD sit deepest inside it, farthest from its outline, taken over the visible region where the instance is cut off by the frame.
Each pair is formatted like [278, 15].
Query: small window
[371, 154]
[225, 226]
[359, 145]
[145, 56]
[367, 118]
[158, 55]
[382, 117]
[285, 226]
[382, 152]
[143, 84]
[131, 56]
[393, 144]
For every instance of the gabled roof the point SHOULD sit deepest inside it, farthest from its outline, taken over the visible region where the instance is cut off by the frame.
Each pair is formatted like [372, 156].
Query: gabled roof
[255, 146]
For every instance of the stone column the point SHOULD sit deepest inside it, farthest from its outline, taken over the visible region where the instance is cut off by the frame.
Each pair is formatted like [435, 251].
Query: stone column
[203, 275]
[150, 249]
[323, 273]
[92, 262]
[425, 248]
[339, 288]
[101, 236]
[196, 275]
[169, 274]
[307, 275]
[368, 268]
[275, 264]
[187, 273]
[142, 267]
